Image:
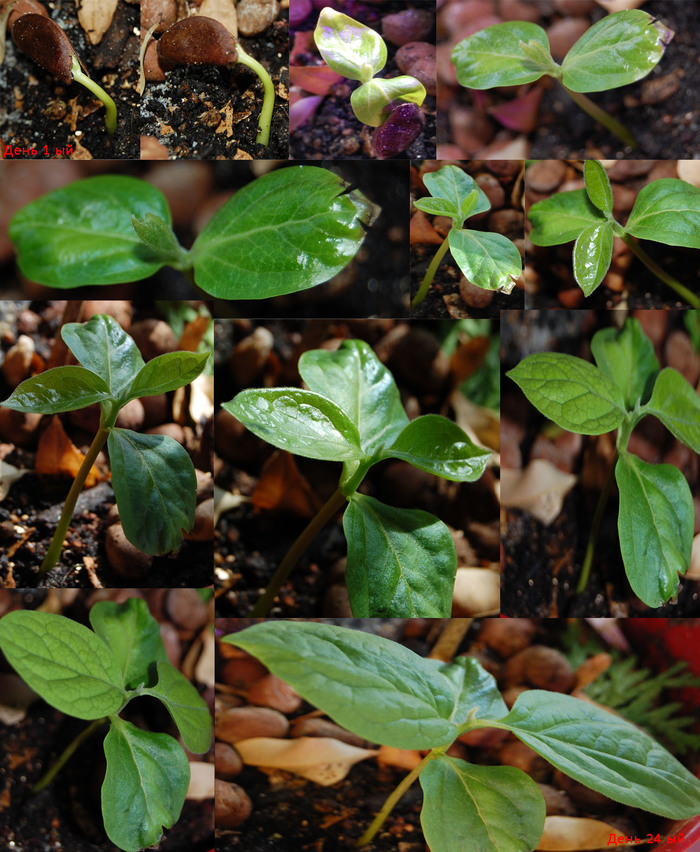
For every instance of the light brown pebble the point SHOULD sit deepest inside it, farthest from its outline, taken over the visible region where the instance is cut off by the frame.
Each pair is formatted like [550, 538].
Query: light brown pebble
[155, 410]
[519, 10]
[153, 337]
[507, 636]
[18, 360]
[473, 296]
[270, 691]
[152, 149]
[118, 309]
[162, 12]
[492, 189]
[126, 560]
[186, 609]
[523, 757]
[563, 34]
[250, 354]
[243, 723]
[545, 175]
[407, 25]
[575, 7]
[556, 801]
[227, 761]
[19, 428]
[507, 222]
[324, 728]
[131, 416]
[232, 806]
[203, 529]
[542, 667]
[170, 430]
[255, 16]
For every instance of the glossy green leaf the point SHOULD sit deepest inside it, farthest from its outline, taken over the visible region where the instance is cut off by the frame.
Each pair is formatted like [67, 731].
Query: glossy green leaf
[571, 392]
[604, 752]
[376, 688]
[82, 234]
[102, 345]
[480, 808]
[302, 422]
[370, 101]
[490, 261]
[156, 488]
[401, 562]
[655, 525]
[185, 705]
[64, 662]
[349, 47]
[437, 445]
[134, 637]
[59, 389]
[167, 372]
[286, 231]
[618, 50]
[145, 785]
[627, 357]
[598, 186]
[562, 217]
[592, 256]
[495, 57]
[677, 405]
[454, 188]
[355, 379]
[667, 211]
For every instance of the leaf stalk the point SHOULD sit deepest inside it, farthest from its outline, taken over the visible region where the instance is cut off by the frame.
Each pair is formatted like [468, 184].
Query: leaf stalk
[595, 528]
[265, 120]
[661, 274]
[612, 124]
[67, 753]
[430, 273]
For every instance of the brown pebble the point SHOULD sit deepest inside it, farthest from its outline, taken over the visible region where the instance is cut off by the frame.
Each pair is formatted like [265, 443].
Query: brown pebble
[227, 761]
[336, 602]
[152, 149]
[162, 12]
[270, 691]
[131, 416]
[18, 360]
[153, 337]
[407, 25]
[541, 667]
[556, 801]
[519, 10]
[250, 354]
[186, 609]
[232, 806]
[563, 34]
[507, 222]
[203, 529]
[484, 737]
[492, 189]
[170, 430]
[153, 74]
[126, 560]
[545, 175]
[571, 298]
[240, 672]
[19, 428]
[575, 7]
[680, 355]
[523, 757]
[306, 727]
[473, 296]
[506, 636]
[255, 16]
[155, 410]
[243, 723]
[583, 796]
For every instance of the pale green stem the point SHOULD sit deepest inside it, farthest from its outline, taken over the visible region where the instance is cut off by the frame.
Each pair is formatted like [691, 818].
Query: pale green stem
[430, 273]
[660, 273]
[324, 514]
[67, 753]
[265, 121]
[612, 124]
[98, 92]
[54, 551]
[391, 801]
[595, 529]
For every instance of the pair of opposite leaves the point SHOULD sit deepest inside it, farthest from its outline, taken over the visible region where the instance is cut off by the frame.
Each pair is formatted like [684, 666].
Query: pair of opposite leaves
[286, 231]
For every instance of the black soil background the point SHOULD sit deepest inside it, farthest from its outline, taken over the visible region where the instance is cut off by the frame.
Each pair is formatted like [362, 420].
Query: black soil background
[541, 564]
[334, 131]
[37, 111]
[250, 542]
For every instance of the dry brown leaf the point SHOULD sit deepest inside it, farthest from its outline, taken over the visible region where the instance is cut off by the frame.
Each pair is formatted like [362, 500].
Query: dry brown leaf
[570, 834]
[400, 757]
[201, 781]
[56, 455]
[282, 487]
[222, 11]
[481, 424]
[468, 357]
[539, 489]
[95, 16]
[321, 759]
[193, 333]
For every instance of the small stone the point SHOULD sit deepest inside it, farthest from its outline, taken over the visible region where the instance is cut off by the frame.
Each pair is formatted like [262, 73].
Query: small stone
[186, 609]
[299, 10]
[545, 175]
[255, 16]
[232, 805]
[205, 485]
[19, 428]
[131, 416]
[492, 189]
[407, 25]
[507, 222]
[153, 74]
[152, 149]
[153, 337]
[203, 529]
[161, 12]
[155, 410]
[28, 322]
[418, 59]
[507, 636]
[477, 590]
[623, 197]
[541, 667]
[243, 723]
[519, 10]
[126, 560]
[575, 7]
[571, 298]
[681, 356]
[307, 727]
[523, 757]
[119, 310]
[227, 761]
[336, 602]
[18, 361]
[250, 355]
[471, 129]
[454, 17]
[473, 296]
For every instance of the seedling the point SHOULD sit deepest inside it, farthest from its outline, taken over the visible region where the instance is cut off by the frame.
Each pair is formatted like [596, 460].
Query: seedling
[388, 695]
[93, 676]
[401, 562]
[152, 476]
[656, 515]
[620, 49]
[490, 261]
[359, 53]
[46, 44]
[666, 211]
[203, 41]
[286, 231]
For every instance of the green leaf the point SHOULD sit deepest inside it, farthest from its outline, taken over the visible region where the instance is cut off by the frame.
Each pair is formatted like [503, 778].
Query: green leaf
[592, 256]
[677, 405]
[562, 217]
[604, 752]
[627, 357]
[571, 392]
[349, 47]
[401, 562]
[655, 525]
[495, 56]
[82, 234]
[598, 186]
[58, 389]
[370, 101]
[185, 705]
[455, 188]
[667, 211]
[355, 379]
[64, 662]
[102, 345]
[158, 235]
[134, 637]
[618, 50]
[376, 688]
[167, 372]
[302, 422]
[481, 808]
[145, 785]
[490, 261]
[286, 231]
[437, 445]
[156, 489]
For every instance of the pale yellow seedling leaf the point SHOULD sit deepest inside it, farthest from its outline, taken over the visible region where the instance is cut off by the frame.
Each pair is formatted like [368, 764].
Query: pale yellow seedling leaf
[539, 489]
[321, 759]
[571, 834]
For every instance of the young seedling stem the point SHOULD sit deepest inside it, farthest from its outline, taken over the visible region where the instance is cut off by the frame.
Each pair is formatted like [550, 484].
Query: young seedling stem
[595, 528]
[661, 274]
[617, 128]
[430, 273]
[263, 137]
[67, 753]
[110, 107]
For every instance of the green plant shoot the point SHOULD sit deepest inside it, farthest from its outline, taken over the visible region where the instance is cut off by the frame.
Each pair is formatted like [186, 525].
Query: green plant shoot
[401, 562]
[426, 704]
[287, 231]
[490, 261]
[656, 515]
[666, 211]
[93, 676]
[153, 477]
[620, 49]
